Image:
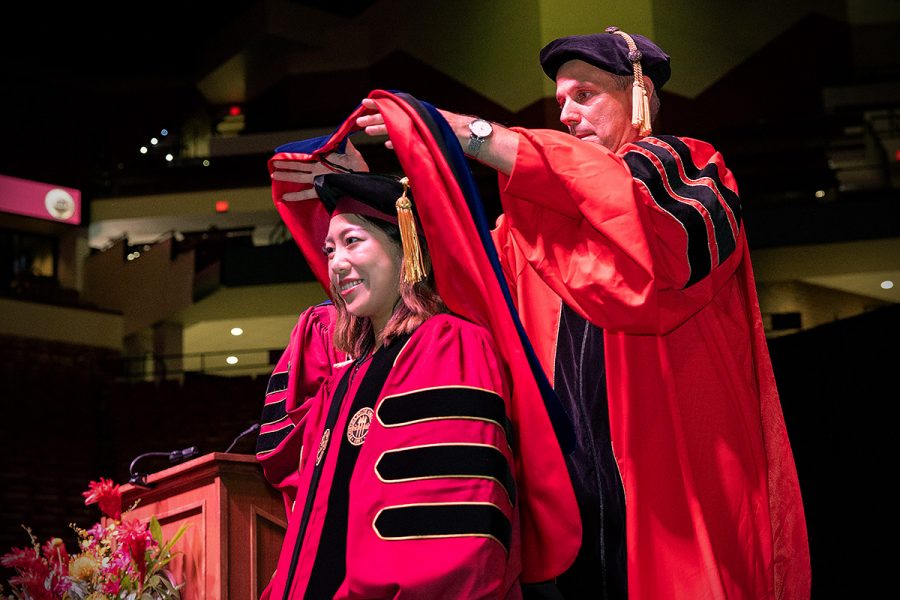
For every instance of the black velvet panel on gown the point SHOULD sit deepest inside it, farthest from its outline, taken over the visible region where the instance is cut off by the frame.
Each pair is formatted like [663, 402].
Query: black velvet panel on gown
[580, 382]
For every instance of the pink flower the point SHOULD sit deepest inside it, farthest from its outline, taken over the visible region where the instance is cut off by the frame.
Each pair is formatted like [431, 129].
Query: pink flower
[61, 585]
[90, 539]
[112, 587]
[120, 561]
[107, 495]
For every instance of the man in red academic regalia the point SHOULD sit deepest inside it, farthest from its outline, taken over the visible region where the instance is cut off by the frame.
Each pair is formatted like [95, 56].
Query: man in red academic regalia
[627, 257]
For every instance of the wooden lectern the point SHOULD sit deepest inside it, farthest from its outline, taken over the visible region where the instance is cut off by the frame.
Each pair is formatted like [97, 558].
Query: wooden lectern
[236, 524]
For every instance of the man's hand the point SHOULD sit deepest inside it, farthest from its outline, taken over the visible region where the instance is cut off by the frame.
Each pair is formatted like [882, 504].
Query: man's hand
[373, 124]
[498, 152]
[304, 173]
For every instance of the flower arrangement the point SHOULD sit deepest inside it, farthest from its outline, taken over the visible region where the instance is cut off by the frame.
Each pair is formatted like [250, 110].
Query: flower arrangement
[120, 560]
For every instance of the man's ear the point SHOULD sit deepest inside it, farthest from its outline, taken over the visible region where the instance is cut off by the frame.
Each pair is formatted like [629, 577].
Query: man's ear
[648, 85]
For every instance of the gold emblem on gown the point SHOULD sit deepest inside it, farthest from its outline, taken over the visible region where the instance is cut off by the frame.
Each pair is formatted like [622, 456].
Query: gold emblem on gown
[359, 426]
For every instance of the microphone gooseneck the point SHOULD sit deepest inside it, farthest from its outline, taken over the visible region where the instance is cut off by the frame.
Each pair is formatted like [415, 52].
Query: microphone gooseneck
[174, 456]
[242, 435]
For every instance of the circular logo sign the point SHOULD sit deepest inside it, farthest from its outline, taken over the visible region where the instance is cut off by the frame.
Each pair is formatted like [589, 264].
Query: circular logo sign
[359, 426]
[60, 204]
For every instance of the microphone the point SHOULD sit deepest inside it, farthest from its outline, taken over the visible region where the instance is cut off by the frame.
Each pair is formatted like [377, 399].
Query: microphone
[242, 435]
[140, 479]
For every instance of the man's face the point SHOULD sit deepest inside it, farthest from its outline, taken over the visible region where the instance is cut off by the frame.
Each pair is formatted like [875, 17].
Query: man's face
[593, 105]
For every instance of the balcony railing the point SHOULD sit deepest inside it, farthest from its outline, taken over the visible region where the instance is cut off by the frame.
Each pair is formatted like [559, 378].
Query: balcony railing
[225, 363]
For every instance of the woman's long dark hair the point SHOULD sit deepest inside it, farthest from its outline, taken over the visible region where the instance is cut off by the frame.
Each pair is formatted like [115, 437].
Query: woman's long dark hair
[418, 302]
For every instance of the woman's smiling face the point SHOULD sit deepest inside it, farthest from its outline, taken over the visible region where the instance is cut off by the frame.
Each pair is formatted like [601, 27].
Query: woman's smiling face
[364, 265]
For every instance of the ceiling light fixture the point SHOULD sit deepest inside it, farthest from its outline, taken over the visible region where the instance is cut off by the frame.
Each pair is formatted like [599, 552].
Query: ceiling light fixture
[236, 331]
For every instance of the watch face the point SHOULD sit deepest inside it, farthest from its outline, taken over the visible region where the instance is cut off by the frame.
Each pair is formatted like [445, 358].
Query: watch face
[481, 128]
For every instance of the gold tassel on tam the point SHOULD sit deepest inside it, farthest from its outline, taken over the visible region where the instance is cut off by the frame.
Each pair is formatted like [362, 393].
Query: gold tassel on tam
[645, 128]
[637, 105]
[640, 102]
[413, 263]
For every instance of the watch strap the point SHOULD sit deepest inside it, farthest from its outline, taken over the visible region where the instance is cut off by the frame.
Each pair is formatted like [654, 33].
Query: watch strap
[474, 145]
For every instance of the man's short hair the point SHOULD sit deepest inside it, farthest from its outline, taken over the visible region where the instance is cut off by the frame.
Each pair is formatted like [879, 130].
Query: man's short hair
[624, 82]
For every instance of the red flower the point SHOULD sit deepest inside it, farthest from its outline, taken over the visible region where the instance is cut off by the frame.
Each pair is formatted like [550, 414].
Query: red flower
[32, 574]
[33, 584]
[54, 551]
[23, 559]
[134, 536]
[107, 495]
[112, 587]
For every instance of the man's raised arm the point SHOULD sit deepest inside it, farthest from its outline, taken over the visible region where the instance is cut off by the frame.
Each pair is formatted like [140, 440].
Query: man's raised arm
[497, 150]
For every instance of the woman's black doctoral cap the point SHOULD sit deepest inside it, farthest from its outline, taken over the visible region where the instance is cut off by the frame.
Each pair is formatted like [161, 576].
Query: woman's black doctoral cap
[381, 197]
[375, 194]
[608, 52]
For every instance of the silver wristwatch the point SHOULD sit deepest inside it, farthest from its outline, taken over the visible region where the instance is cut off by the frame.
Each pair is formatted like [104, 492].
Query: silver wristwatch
[479, 130]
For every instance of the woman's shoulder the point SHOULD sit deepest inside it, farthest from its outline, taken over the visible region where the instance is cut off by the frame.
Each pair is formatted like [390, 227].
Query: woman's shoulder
[322, 314]
[447, 350]
[318, 318]
[450, 327]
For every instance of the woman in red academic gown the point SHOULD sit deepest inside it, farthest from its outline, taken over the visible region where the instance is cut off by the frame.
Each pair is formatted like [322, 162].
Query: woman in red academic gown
[397, 467]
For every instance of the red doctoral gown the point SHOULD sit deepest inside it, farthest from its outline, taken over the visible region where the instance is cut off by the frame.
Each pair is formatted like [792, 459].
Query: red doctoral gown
[426, 509]
[648, 244]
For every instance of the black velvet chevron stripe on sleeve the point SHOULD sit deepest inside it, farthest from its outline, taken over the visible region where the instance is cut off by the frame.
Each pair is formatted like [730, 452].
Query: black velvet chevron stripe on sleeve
[444, 403]
[447, 460]
[273, 412]
[278, 382]
[708, 211]
[266, 442]
[443, 520]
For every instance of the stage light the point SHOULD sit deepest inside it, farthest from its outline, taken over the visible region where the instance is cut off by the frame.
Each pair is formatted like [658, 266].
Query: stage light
[887, 284]
[153, 141]
[143, 149]
[232, 360]
[236, 331]
[169, 157]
